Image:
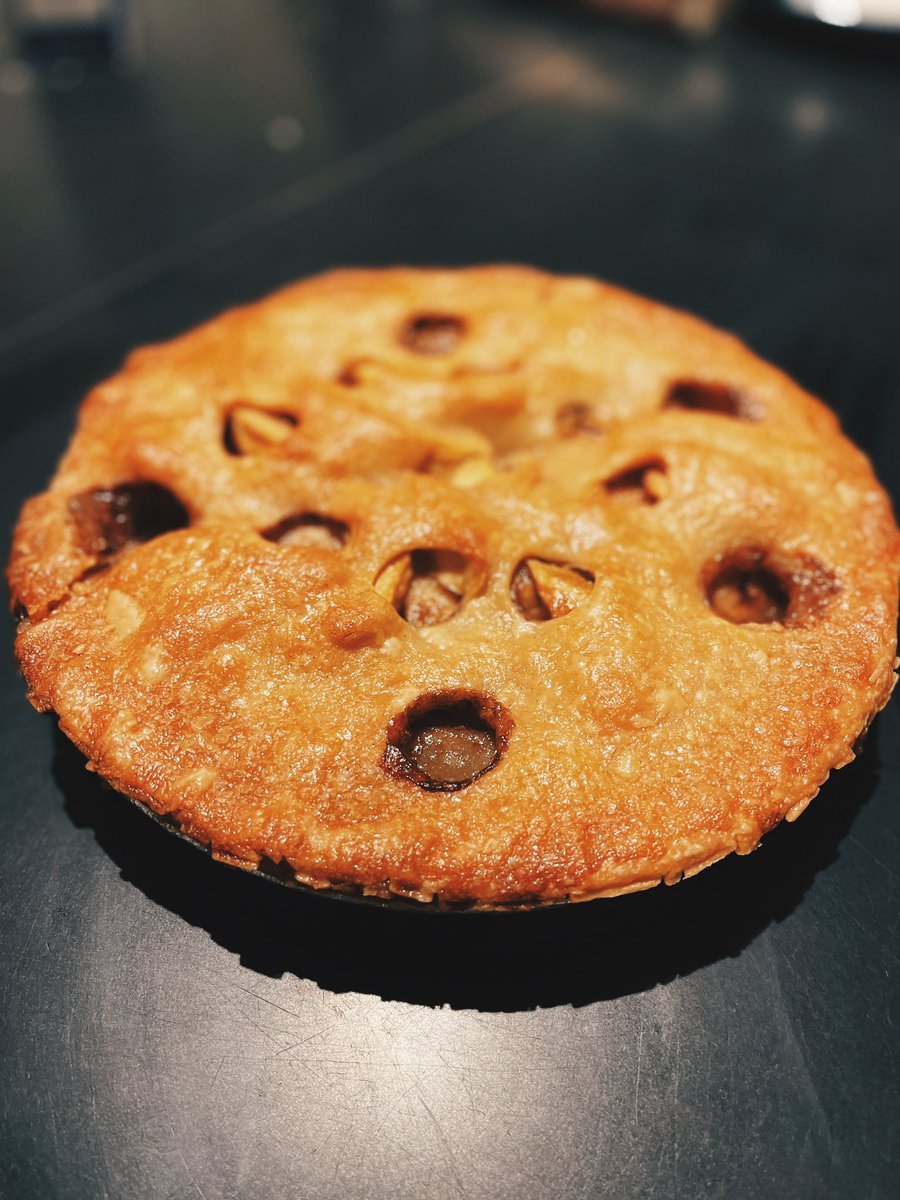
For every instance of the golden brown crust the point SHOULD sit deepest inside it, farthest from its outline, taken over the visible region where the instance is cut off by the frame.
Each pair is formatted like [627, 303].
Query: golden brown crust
[706, 626]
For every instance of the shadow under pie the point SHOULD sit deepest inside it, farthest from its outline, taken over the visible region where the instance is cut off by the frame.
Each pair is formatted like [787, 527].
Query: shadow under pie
[492, 961]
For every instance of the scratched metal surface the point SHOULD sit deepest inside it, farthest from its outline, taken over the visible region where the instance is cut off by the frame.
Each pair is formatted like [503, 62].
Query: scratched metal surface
[175, 1029]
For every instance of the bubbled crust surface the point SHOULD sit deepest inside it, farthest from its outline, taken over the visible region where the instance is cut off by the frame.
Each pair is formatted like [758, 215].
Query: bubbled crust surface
[245, 687]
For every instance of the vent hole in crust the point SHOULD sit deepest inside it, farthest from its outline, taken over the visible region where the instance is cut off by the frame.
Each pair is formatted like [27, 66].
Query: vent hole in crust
[645, 482]
[696, 396]
[542, 589]
[108, 520]
[752, 585]
[348, 376]
[432, 333]
[309, 529]
[427, 587]
[445, 741]
[250, 430]
[577, 416]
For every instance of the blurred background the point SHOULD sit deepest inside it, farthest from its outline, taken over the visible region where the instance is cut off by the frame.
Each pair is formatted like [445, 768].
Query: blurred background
[161, 160]
[170, 1029]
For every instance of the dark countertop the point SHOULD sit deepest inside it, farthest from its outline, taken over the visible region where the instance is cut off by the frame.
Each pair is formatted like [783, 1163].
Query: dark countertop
[173, 1028]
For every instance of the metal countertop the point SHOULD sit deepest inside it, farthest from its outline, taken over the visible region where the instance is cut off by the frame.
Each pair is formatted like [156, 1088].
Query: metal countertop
[175, 1029]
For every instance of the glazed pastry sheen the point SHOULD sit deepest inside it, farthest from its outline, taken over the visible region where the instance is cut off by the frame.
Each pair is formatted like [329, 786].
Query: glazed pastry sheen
[481, 585]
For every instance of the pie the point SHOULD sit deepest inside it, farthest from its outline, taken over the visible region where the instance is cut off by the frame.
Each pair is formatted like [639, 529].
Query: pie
[479, 587]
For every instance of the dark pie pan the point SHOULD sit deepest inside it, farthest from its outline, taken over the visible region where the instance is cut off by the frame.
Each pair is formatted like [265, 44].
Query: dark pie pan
[281, 875]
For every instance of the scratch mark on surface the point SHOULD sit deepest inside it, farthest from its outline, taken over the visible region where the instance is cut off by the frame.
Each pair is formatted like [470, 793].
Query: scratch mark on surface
[464, 1081]
[868, 934]
[185, 1163]
[219, 1067]
[267, 1033]
[874, 857]
[637, 1078]
[676, 1166]
[449, 1152]
[311, 1037]
[265, 1000]
[511, 1034]
[795, 1044]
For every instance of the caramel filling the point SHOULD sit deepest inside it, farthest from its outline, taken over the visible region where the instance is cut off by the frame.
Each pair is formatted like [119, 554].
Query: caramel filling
[309, 530]
[425, 586]
[755, 585]
[452, 753]
[108, 520]
[744, 596]
[644, 483]
[432, 333]
[544, 590]
[445, 741]
[697, 396]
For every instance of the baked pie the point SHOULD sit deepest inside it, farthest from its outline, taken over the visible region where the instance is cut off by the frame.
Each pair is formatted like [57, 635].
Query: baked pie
[483, 587]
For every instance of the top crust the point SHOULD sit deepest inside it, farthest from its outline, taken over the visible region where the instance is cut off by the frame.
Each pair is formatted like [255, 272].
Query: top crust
[652, 583]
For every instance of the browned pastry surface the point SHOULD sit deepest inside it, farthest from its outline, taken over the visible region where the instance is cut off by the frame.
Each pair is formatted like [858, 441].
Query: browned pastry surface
[482, 584]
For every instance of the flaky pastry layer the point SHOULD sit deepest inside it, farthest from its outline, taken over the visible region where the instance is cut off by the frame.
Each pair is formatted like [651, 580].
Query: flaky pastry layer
[639, 568]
